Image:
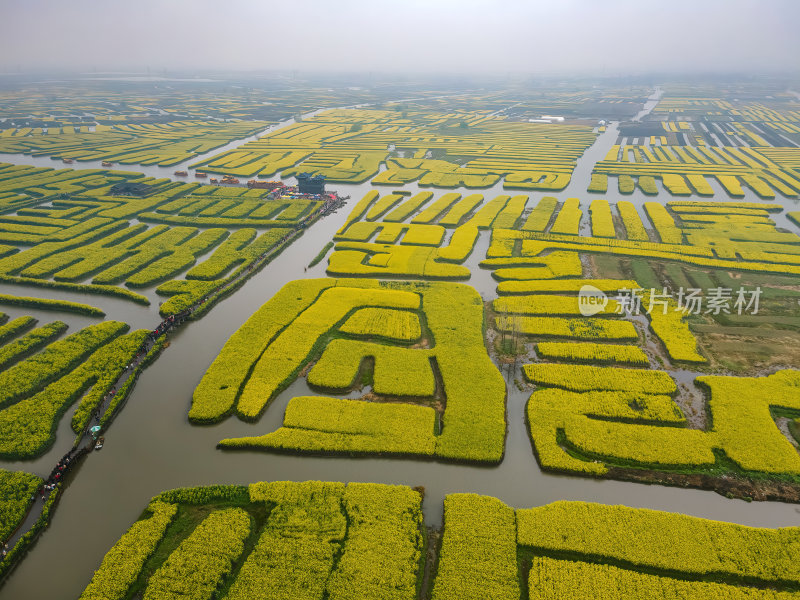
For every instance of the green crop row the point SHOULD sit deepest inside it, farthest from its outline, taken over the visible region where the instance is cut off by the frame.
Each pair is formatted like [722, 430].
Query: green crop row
[382, 206]
[540, 216]
[321, 255]
[383, 548]
[491, 211]
[437, 209]
[568, 219]
[148, 253]
[218, 391]
[48, 304]
[121, 566]
[181, 258]
[295, 552]
[460, 210]
[75, 264]
[408, 207]
[460, 246]
[195, 569]
[30, 342]
[592, 352]
[535, 286]
[33, 374]
[105, 290]
[668, 323]
[634, 228]
[226, 256]
[360, 208]
[13, 328]
[186, 293]
[668, 542]
[602, 222]
[585, 378]
[478, 557]
[28, 426]
[554, 579]
[183, 294]
[542, 304]
[124, 391]
[16, 490]
[598, 184]
[579, 328]
[151, 217]
[105, 367]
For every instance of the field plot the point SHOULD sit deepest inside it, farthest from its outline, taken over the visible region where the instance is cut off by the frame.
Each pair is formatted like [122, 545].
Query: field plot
[573, 102]
[471, 149]
[17, 489]
[442, 400]
[308, 540]
[315, 540]
[735, 236]
[410, 240]
[163, 144]
[683, 170]
[89, 231]
[53, 105]
[43, 376]
[630, 423]
[696, 136]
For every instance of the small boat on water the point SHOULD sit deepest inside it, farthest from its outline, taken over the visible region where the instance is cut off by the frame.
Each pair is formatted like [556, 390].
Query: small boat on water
[67, 161]
[99, 443]
[181, 173]
[213, 180]
[200, 175]
[107, 163]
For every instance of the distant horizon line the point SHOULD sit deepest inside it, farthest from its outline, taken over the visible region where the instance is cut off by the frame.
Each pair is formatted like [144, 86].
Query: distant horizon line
[193, 74]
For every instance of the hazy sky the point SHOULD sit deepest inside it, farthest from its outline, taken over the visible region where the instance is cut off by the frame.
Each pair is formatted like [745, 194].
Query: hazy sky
[586, 36]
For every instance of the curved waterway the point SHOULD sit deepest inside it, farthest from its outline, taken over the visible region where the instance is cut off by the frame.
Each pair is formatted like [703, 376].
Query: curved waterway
[151, 446]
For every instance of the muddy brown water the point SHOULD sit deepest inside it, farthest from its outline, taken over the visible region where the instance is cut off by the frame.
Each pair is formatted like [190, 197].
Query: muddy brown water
[151, 446]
